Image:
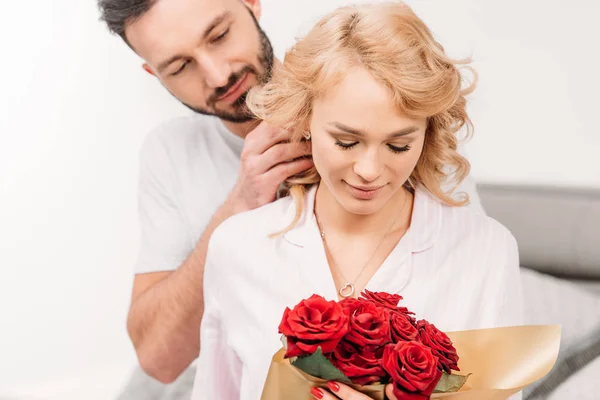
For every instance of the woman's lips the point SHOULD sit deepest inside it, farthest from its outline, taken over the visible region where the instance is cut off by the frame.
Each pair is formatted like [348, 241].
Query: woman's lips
[364, 192]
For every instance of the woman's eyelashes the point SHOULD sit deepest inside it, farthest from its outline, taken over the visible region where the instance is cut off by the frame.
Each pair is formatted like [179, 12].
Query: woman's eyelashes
[345, 145]
[396, 149]
[392, 148]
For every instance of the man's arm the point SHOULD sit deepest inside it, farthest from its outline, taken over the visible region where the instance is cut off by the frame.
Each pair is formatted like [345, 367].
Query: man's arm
[167, 307]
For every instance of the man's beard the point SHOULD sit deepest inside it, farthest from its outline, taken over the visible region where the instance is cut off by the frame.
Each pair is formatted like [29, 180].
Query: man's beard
[240, 112]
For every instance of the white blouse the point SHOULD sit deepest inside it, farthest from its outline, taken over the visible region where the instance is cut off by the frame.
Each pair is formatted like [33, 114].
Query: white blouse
[454, 267]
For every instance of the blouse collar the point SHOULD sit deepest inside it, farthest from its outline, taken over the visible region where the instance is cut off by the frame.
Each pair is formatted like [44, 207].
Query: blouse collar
[424, 226]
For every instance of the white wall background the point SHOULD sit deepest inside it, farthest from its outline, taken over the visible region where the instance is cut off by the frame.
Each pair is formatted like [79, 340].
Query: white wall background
[75, 106]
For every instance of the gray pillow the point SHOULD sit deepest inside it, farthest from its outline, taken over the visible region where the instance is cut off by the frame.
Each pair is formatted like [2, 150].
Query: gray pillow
[584, 385]
[550, 300]
[558, 229]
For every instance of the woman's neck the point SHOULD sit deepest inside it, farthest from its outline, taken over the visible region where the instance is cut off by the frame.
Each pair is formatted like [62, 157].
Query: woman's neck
[337, 220]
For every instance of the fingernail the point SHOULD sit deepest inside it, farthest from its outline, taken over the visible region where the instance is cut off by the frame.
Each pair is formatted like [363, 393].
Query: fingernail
[317, 393]
[333, 386]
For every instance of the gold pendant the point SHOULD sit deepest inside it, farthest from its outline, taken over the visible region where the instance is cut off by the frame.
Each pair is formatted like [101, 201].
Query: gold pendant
[347, 290]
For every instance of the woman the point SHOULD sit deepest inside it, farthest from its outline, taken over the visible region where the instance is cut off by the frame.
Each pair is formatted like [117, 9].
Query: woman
[381, 103]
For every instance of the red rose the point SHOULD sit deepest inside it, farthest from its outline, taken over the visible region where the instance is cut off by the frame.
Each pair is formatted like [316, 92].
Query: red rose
[312, 323]
[386, 300]
[440, 344]
[402, 328]
[361, 365]
[369, 323]
[413, 369]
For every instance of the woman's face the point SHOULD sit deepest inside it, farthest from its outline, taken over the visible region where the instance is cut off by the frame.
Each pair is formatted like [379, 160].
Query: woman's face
[363, 148]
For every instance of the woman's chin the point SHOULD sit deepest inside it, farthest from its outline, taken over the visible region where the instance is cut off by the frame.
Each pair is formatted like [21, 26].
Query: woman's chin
[361, 207]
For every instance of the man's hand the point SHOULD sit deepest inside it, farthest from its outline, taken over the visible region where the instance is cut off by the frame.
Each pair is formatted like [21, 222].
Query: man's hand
[167, 307]
[268, 158]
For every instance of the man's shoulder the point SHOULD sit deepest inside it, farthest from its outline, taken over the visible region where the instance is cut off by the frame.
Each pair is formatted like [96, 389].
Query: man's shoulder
[181, 130]
[252, 228]
[178, 140]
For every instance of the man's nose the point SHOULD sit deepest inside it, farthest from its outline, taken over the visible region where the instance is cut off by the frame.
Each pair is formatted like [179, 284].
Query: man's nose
[216, 72]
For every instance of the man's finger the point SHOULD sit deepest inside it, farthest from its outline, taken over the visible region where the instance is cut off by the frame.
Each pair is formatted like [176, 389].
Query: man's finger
[285, 152]
[263, 137]
[283, 171]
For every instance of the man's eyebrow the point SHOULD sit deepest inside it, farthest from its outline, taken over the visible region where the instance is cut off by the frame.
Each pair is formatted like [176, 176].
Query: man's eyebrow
[213, 24]
[357, 132]
[216, 22]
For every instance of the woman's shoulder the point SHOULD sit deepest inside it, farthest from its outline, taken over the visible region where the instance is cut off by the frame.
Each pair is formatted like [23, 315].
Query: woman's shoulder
[475, 227]
[248, 229]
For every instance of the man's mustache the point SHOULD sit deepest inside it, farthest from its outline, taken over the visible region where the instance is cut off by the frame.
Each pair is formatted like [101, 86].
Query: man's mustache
[231, 82]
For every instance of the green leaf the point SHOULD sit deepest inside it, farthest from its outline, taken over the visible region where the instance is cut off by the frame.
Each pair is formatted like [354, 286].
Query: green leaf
[319, 366]
[450, 383]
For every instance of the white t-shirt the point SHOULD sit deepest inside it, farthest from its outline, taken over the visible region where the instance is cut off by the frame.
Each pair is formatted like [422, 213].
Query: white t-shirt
[456, 268]
[188, 167]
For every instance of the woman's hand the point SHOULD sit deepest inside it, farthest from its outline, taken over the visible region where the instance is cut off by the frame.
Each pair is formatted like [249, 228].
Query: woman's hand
[343, 392]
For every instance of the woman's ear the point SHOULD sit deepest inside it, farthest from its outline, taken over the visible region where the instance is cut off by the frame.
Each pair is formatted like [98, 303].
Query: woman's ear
[301, 133]
[254, 6]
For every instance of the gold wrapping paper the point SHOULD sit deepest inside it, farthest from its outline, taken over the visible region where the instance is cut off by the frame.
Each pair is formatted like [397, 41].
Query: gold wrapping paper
[502, 362]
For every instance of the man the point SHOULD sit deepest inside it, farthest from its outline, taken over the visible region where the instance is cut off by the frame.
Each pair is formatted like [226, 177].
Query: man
[197, 171]
[208, 54]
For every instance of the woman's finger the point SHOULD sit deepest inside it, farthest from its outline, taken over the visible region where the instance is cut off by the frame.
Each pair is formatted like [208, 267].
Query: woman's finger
[345, 392]
[322, 394]
[389, 392]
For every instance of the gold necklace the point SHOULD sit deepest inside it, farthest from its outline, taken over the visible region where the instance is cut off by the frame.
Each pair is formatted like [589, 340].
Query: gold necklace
[348, 289]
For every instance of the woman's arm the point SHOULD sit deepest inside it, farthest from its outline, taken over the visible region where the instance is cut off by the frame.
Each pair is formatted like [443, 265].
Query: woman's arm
[501, 303]
[509, 287]
[505, 300]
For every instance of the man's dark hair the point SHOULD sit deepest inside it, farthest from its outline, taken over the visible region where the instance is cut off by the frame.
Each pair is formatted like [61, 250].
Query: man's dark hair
[118, 13]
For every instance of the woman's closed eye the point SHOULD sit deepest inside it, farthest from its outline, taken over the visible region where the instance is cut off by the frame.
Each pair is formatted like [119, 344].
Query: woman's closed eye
[394, 149]
[345, 145]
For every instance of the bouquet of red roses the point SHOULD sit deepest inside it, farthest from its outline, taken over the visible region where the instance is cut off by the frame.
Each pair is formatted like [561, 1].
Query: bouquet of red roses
[369, 341]
[372, 341]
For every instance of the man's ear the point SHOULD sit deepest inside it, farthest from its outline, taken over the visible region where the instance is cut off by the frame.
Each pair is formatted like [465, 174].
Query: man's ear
[254, 6]
[148, 69]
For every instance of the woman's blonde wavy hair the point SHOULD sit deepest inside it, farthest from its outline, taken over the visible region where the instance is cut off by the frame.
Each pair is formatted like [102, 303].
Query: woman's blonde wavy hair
[400, 52]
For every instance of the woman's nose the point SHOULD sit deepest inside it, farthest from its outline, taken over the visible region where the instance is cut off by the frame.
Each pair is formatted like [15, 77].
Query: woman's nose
[368, 166]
